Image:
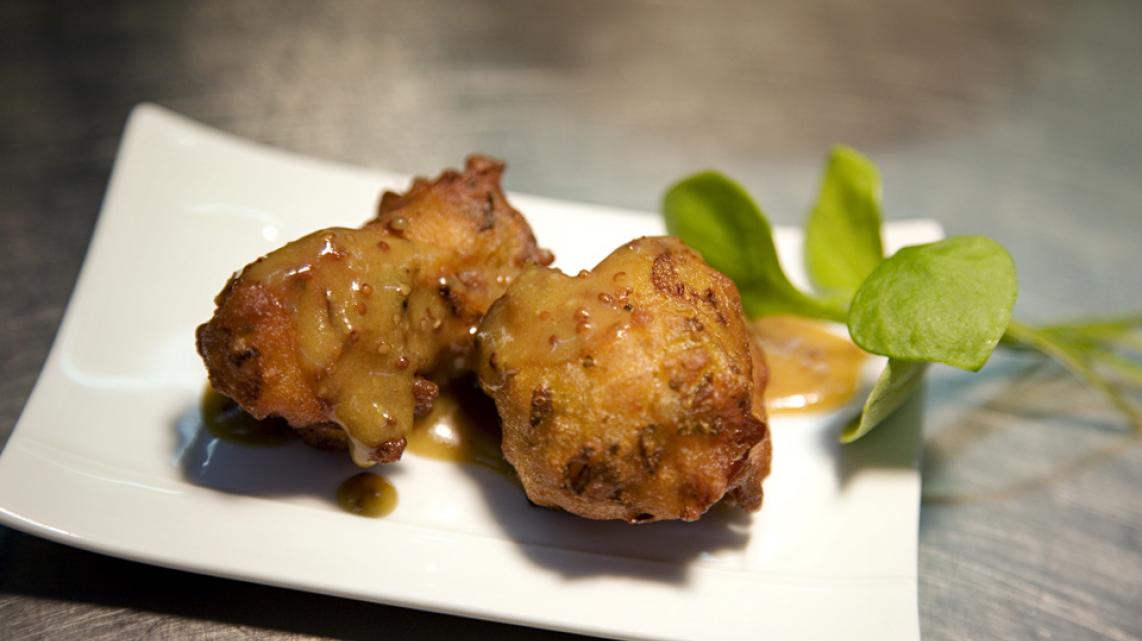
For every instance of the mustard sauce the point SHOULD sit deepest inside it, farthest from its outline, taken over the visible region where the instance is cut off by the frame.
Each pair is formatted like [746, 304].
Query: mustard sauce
[463, 427]
[225, 420]
[367, 494]
[367, 319]
[810, 369]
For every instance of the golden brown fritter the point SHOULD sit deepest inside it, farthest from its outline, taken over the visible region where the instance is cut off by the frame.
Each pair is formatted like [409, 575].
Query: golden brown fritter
[633, 391]
[344, 328]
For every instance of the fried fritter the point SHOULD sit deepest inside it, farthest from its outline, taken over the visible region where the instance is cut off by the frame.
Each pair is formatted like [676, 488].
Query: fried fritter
[342, 332]
[633, 391]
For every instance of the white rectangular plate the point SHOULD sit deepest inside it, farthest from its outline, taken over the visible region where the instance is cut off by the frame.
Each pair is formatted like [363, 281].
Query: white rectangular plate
[109, 455]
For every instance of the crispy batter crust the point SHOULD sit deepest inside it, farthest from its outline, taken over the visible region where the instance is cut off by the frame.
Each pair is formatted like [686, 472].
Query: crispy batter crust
[299, 332]
[632, 392]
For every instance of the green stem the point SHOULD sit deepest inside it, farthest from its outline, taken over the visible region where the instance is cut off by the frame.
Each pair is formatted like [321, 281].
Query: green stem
[1073, 361]
[1124, 367]
[1117, 337]
[1124, 321]
[798, 304]
[830, 311]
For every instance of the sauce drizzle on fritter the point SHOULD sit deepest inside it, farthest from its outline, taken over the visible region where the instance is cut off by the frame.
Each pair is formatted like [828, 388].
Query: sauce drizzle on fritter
[346, 333]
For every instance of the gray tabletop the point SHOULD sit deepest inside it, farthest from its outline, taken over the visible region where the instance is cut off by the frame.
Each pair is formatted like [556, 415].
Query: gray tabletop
[1011, 118]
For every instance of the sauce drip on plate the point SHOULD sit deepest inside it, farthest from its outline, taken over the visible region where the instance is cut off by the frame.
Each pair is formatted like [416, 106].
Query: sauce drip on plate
[367, 494]
[462, 427]
[809, 367]
[224, 420]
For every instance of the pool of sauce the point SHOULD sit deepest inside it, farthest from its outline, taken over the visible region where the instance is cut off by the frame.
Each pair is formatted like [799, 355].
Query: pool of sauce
[810, 369]
[225, 420]
[367, 494]
[463, 427]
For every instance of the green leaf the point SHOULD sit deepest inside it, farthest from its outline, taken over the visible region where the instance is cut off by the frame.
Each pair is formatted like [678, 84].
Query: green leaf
[896, 383]
[714, 215]
[948, 302]
[842, 234]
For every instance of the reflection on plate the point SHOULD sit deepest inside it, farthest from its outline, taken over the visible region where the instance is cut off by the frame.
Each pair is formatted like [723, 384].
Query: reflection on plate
[111, 453]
